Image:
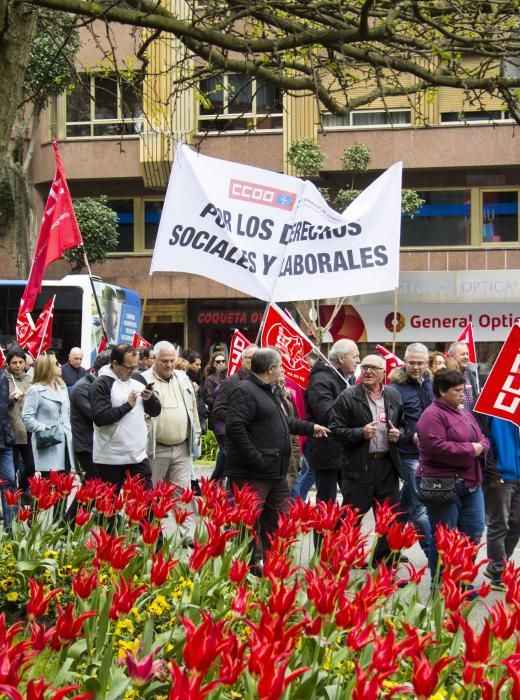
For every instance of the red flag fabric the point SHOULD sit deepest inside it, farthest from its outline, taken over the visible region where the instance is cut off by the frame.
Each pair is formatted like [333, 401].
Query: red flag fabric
[467, 337]
[2, 358]
[38, 339]
[391, 360]
[500, 396]
[102, 344]
[279, 331]
[59, 231]
[239, 343]
[139, 342]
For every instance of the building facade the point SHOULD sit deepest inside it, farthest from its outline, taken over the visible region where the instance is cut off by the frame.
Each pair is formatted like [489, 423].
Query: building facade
[460, 253]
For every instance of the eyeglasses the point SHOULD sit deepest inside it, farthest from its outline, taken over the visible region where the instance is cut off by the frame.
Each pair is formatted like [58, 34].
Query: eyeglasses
[129, 368]
[220, 362]
[372, 368]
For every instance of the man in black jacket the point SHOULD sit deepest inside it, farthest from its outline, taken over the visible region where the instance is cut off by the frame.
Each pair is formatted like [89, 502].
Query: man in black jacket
[368, 420]
[326, 383]
[258, 448]
[72, 371]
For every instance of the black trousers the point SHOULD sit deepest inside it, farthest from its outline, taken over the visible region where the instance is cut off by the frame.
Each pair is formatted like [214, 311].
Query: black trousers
[23, 455]
[274, 495]
[382, 482]
[116, 474]
[327, 482]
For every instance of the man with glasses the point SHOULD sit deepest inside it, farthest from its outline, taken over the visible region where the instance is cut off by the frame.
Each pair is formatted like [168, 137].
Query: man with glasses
[119, 399]
[415, 387]
[257, 438]
[368, 420]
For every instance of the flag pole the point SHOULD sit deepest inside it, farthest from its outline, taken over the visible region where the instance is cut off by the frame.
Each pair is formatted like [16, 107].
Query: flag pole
[98, 305]
[394, 321]
[259, 334]
[44, 331]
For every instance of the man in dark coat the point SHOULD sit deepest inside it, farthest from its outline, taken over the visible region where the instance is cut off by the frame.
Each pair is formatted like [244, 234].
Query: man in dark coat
[326, 383]
[72, 370]
[7, 474]
[414, 384]
[258, 447]
[368, 420]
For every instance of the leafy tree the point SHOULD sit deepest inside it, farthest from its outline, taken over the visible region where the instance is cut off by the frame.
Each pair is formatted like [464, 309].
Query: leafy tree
[306, 157]
[98, 226]
[382, 48]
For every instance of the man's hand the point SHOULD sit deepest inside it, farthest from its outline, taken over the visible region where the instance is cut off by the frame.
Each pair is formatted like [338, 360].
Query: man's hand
[369, 430]
[393, 433]
[320, 431]
[133, 396]
[146, 394]
[479, 448]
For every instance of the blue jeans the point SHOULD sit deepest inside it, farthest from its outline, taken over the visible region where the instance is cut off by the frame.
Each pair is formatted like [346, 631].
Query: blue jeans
[466, 514]
[8, 477]
[305, 480]
[411, 506]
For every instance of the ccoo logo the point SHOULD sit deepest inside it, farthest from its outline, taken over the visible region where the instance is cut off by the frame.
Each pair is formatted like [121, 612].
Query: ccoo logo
[261, 194]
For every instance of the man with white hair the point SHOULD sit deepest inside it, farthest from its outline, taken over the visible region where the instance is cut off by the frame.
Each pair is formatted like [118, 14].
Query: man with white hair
[177, 427]
[414, 384]
[458, 358]
[326, 383]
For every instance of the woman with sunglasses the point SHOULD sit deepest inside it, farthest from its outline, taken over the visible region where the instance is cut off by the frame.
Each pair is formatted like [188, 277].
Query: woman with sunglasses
[47, 405]
[214, 374]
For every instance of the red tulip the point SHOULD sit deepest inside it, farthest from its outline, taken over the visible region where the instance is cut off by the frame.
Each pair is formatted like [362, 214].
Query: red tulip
[40, 636]
[186, 686]
[62, 482]
[240, 604]
[512, 663]
[401, 536]
[136, 510]
[24, 514]
[232, 659]
[84, 583]
[82, 517]
[368, 686]
[124, 598]
[180, 515]
[504, 621]
[273, 681]
[141, 671]
[203, 642]
[385, 514]
[105, 544]
[121, 556]
[69, 627]
[237, 571]
[38, 600]
[150, 532]
[214, 546]
[93, 489]
[323, 589]
[425, 676]
[161, 569]
[12, 497]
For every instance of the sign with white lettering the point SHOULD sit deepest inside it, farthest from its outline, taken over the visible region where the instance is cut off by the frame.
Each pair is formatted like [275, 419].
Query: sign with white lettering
[273, 236]
[500, 396]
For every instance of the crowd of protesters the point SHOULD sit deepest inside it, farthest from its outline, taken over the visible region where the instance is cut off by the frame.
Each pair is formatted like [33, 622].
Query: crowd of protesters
[370, 437]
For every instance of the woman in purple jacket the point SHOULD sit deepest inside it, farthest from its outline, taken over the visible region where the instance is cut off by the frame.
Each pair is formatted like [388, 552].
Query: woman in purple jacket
[452, 444]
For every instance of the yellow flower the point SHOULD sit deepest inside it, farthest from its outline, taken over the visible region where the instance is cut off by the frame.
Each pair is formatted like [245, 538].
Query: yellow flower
[50, 554]
[123, 626]
[159, 605]
[136, 614]
[126, 647]
[12, 596]
[441, 694]
[7, 583]
[131, 694]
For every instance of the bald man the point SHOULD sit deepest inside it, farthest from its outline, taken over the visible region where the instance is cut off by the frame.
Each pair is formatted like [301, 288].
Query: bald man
[368, 420]
[72, 371]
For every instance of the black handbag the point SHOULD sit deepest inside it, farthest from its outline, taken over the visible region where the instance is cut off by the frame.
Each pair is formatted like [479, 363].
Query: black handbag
[437, 489]
[48, 437]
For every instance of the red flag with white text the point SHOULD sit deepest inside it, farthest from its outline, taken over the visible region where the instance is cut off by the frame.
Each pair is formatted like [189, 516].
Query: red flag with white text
[283, 333]
[239, 343]
[59, 231]
[391, 360]
[500, 396]
[467, 337]
[38, 338]
[139, 342]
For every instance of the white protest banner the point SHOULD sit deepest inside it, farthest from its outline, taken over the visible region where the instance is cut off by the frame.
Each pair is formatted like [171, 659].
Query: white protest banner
[273, 236]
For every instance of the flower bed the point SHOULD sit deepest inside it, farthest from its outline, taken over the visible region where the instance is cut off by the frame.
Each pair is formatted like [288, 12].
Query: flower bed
[109, 610]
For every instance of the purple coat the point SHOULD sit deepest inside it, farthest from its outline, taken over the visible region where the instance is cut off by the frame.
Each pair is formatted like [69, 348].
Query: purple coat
[446, 435]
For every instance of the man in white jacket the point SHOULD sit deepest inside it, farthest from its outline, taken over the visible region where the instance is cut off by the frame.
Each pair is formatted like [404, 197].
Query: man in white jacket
[119, 399]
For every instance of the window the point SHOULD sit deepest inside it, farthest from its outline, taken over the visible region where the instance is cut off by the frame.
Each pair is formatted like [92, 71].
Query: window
[494, 115]
[239, 103]
[372, 117]
[104, 106]
[499, 216]
[125, 223]
[444, 220]
[152, 216]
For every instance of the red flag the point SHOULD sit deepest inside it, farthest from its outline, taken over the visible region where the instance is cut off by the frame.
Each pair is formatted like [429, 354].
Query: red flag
[500, 396]
[467, 337]
[279, 331]
[239, 343]
[139, 342]
[37, 339]
[59, 231]
[391, 360]
[2, 358]
[103, 344]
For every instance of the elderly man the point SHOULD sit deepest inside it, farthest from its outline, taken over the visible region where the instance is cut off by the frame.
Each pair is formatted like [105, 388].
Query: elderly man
[119, 399]
[368, 420]
[177, 427]
[72, 370]
[414, 384]
[458, 358]
[326, 383]
[258, 448]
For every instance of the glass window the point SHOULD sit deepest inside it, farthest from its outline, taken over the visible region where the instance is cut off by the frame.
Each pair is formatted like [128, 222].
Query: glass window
[444, 219]
[152, 216]
[373, 117]
[239, 103]
[494, 115]
[125, 223]
[499, 217]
